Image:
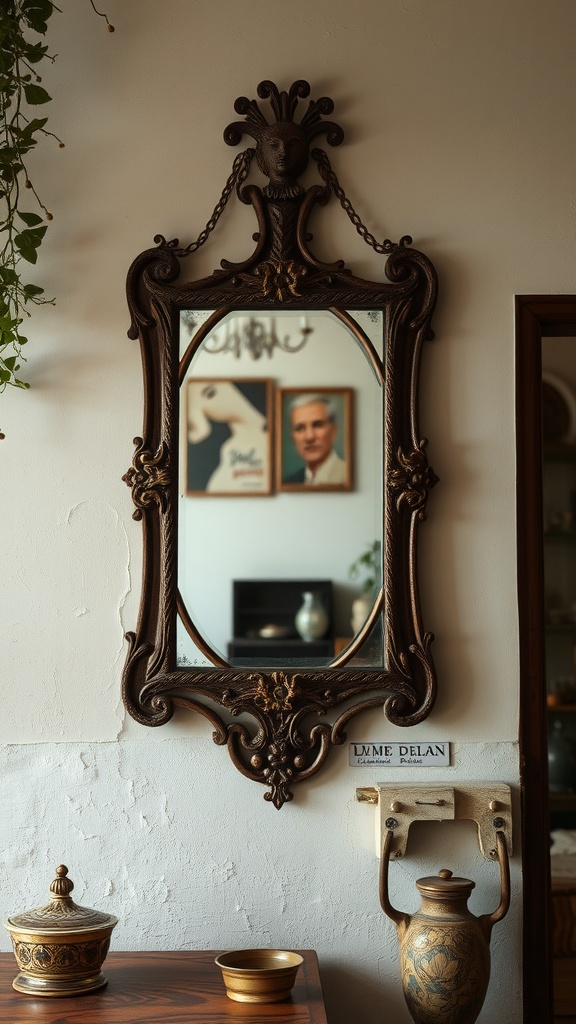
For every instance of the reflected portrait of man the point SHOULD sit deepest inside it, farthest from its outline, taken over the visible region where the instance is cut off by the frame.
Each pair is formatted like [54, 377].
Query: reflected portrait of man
[314, 421]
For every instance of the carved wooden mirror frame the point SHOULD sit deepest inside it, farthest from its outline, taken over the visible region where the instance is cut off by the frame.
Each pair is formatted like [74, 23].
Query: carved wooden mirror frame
[291, 716]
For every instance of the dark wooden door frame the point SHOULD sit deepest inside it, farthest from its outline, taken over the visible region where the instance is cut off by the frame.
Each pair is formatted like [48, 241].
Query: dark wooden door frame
[537, 316]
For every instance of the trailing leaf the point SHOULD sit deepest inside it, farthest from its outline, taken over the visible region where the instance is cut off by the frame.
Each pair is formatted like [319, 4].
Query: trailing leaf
[21, 231]
[30, 218]
[36, 94]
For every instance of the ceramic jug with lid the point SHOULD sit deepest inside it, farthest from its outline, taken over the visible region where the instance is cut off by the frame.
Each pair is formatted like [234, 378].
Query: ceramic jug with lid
[444, 948]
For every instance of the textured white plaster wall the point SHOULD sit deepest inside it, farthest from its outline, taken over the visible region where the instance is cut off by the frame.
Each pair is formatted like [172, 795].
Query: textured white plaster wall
[190, 858]
[459, 129]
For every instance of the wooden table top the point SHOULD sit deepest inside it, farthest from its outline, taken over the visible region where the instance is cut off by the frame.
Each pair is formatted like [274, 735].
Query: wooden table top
[162, 988]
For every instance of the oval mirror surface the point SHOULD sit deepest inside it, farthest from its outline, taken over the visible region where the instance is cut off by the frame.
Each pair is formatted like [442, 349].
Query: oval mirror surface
[280, 486]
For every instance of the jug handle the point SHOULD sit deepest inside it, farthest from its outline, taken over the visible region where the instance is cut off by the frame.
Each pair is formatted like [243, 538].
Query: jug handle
[400, 919]
[488, 921]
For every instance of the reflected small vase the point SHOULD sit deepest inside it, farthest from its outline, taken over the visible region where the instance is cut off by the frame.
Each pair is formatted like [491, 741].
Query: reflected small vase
[311, 619]
[361, 608]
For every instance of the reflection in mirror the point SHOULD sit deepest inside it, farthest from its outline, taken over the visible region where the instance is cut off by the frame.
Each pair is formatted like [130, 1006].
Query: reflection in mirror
[277, 497]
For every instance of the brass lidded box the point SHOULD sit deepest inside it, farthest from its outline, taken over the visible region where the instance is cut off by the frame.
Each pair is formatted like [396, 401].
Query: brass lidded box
[61, 947]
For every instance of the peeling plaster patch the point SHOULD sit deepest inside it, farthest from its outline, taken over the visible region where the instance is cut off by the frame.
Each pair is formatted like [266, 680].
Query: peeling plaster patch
[164, 810]
[85, 836]
[23, 582]
[274, 877]
[128, 573]
[74, 593]
[88, 761]
[143, 802]
[228, 871]
[245, 915]
[111, 554]
[55, 685]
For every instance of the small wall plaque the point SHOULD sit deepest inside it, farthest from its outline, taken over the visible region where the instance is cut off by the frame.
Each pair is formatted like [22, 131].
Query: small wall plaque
[430, 754]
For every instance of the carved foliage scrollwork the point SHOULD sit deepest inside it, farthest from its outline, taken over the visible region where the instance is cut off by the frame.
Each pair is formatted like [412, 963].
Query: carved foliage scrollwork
[412, 479]
[149, 477]
[280, 280]
[280, 754]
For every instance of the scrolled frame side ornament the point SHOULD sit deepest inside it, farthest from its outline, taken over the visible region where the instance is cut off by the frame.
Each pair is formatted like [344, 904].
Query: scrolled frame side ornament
[279, 725]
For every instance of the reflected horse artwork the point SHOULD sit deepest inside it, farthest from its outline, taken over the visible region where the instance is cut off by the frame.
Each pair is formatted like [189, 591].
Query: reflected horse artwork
[228, 437]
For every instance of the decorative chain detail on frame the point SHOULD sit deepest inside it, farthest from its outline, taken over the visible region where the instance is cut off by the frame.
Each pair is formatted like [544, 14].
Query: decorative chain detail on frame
[237, 177]
[329, 176]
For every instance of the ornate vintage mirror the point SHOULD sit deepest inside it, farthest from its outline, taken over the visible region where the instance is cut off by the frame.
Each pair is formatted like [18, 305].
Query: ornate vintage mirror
[280, 439]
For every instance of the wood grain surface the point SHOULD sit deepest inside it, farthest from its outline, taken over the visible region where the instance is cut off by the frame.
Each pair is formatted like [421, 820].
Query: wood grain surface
[162, 988]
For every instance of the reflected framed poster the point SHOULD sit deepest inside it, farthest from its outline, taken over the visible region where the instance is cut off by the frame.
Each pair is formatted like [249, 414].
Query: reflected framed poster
[229, 437]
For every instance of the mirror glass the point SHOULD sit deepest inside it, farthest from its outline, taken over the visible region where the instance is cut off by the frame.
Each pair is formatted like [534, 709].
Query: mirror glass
[280, 478]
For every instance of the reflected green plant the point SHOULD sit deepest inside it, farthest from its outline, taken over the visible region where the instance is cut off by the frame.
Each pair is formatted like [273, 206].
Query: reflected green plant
[368, 568]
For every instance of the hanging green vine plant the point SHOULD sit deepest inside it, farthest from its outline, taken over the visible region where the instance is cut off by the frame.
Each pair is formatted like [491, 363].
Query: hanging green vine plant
[21, 229]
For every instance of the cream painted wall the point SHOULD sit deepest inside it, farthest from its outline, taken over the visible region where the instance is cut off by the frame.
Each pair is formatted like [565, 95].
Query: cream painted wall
[459, 130]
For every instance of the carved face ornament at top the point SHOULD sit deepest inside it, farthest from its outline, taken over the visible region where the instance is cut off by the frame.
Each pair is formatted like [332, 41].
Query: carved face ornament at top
[282, 153]
[282, 148]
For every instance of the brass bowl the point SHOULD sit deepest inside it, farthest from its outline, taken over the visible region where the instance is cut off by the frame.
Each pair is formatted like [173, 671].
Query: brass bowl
[259, 975]
[61, 947]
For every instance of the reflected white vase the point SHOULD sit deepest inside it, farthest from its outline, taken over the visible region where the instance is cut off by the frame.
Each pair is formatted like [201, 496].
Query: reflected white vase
[361, 608]
[311, 619]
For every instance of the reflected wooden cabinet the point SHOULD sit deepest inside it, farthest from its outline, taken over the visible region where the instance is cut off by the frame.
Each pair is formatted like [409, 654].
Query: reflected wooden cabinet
[269, 607]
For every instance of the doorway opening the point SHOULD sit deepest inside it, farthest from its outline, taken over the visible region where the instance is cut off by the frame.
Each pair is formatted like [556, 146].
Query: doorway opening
[538, 317]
